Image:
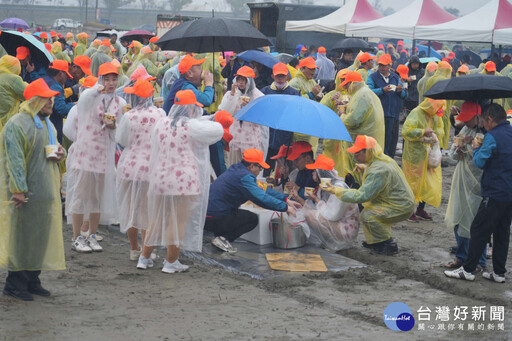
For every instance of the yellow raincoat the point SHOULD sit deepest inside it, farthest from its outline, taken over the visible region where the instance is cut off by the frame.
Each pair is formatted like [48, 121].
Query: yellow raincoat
[101, 56]
[30, 236]
[217, 80]
[11, 88]
[131, 55]
[58, 54]
[82, 44]
[507, 72]
[143, 59]
[444, 71]
[425, 182]
[384, 193]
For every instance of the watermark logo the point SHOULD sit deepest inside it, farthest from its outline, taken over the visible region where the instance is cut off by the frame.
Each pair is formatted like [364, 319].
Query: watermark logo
[398, 316]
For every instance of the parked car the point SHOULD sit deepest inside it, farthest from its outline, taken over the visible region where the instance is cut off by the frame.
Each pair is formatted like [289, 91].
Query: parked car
[66, 23]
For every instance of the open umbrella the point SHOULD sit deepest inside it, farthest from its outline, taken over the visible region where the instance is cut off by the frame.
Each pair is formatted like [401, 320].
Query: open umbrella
[475, 87]
[284, 57]
[11, 40]
[14, 23]
[352, 44]
[136, 35]
[260, 57]
[213, 35]
[296, 114]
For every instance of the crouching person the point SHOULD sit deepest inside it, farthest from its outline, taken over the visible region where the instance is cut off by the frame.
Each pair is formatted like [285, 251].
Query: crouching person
[384, 193]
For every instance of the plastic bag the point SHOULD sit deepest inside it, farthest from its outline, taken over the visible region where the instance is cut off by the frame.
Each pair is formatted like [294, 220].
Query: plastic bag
[434, 153]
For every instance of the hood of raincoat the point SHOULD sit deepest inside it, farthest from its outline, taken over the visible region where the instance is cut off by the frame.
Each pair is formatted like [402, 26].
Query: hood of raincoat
[136, 48]
[357, 63]
[431, 106]
[326, 68]
[56, 47]
[34, 105]
[355, 87]
[184, 113]
[251, 85]
[375, 152]
[10, 64]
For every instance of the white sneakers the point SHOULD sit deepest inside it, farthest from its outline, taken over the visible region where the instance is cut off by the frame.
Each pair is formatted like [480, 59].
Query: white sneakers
[171, 268]
[460, 273]
[493, 277]
[223, 244]
[93, 243]
[135, 254]
[80, 245]
[144, 263]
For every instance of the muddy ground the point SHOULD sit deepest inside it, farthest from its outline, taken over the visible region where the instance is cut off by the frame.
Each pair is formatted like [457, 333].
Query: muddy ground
[102, 296]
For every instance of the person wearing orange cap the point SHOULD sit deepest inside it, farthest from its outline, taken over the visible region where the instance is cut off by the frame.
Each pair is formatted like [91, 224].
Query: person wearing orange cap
[102, 54]
[301, 154]
[366, 60]
[444, 71]
[326, 69]
[234, 187]
[79, 68]
[56, 77]
[390, 49]
[44, 38]
[12, 87]
[145, 58]
[132, 178]
[133, 51]
[303, 80]
[30, 69]
[414, 75]
[178, 181]
[247, 135]
[91, 194]
[465, 196]
[388, 87]
[384, 190]
[421, 130]
[57, 53]
[284, 169]
[430, 70]
[81, 47]
[31, 226]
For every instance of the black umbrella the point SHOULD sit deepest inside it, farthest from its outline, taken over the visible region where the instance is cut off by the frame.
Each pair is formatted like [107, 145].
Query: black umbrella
[352, 44]
[213, 35]
[476, 87]
[475, 59]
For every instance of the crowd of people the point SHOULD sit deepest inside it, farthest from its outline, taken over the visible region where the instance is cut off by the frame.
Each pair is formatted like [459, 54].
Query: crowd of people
[148, 139]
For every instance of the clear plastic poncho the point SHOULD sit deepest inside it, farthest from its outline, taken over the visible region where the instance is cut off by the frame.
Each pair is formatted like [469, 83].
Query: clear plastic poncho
[57, 52]
[30, 236]
[425, 182]
[332, 222]
[444, 71]
[143, 59]
[326, 69]
[91, 189]
[11, 88]
[130, 56]
[422, 83]
[101, 56]
[132, 178]
[384, 193]
[246, 135]
[465, 189]
[179, 179]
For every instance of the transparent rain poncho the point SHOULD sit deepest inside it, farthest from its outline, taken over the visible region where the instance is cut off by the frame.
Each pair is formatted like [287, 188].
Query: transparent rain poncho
[143, 59]
[92, 188]
[246, 135]
[425, 182]
[101, 56]
[57, 52]
[179, 178]
[130, 56]
[11, 88]
[30, 236]
[132, 178]
[332, 222]
[422, 83]
[384, 193]
[140, 72]
[444, 71]
[326, 69]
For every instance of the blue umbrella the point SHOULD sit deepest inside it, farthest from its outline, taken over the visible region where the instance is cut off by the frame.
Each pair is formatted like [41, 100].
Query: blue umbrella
[433, 52]
[11, 40]
[296, 114]
[261, 57]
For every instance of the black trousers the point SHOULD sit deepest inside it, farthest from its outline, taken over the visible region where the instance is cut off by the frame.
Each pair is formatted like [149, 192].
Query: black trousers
[391, 126]
[22, 280]
[233, 225]
[271, 162]
[493, 218]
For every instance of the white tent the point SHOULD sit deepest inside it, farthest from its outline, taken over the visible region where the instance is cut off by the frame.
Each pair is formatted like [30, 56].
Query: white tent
[477, 26]
[353, 11]
[503, 36]
[402, 24]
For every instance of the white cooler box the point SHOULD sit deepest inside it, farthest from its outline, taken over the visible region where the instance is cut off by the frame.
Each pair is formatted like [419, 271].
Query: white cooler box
[261, 234]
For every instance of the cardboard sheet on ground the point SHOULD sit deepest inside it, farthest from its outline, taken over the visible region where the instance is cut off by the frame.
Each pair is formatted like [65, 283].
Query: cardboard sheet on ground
[295, 262]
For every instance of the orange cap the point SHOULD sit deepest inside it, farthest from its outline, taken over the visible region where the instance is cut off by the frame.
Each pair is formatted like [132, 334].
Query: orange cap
[280, 69]
[132, 44]
[468, 110]
[283, 152]
[38, 88]
[107, 68]
[352, 76]
[185, 97]
[53, 34]
[146, 49]
[105, 42]
[444, 65]
[74, 44]
[187, 62]
[224, 118]
[254, 155]
[304, 48]
[342, 73]
[463, 69]
[246, 72]
[308, 62]
[43, 35]
[322, 162]
[48, 47]
[509, 112]
[141, 73]
[400, 42]
[153, 40]
[141, 88]
[96, 42]
[60, 65]
[451, 55]
[365, 57]
[82, 35]
[322, 49]
[362, 142]
[22, 52]
[112, 48]
[403, 71]
[385, 59]
[431, 66]
[490, 66]
[69, 35]
[446, 60]
[116, 63]
[298, 148]
[227, 136]
[84, 63]
[89, 81]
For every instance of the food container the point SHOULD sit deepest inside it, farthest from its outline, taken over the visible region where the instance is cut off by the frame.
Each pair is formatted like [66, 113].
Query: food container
[51, 150]
[324, 182]
[345, 99]
[479, 139]
[109, 118]
[244, 100]
[341, 109]
[159, 102]
[393, 87]
[287, 236]
[459, 141]
[126, 108]
[309, 191]
[413, 77]
[406, 85]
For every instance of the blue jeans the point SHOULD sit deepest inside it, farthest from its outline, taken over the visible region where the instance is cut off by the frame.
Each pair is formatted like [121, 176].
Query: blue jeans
[463, 247]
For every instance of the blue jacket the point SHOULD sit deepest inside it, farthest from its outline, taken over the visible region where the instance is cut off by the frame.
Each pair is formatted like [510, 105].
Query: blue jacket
[277, 137]
[391, 101]
[495, 158]
[39, 72]
[60, 107]
[237, 185]
[205, 98]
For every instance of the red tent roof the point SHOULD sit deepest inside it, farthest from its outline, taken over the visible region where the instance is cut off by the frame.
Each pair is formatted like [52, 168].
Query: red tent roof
[504, 15]
[432, 14]
[364, 12]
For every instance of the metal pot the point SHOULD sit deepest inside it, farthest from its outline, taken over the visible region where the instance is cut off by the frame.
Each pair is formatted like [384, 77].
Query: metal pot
[287, 236]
